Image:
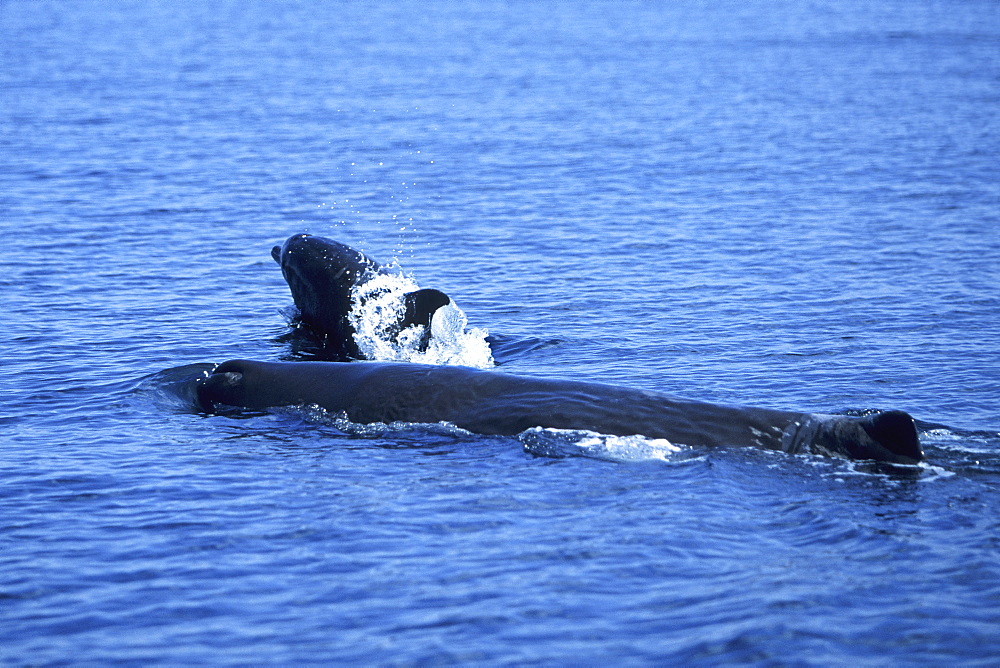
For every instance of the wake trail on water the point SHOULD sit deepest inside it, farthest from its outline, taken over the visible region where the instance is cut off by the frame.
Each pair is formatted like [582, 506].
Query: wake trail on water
[174, 388]
[378, 305]
[538, 441]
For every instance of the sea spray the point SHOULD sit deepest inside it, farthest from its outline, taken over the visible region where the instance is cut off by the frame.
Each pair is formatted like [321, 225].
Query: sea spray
[377, 309]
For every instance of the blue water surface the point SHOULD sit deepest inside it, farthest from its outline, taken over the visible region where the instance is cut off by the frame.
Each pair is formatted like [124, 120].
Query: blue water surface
[786, 204]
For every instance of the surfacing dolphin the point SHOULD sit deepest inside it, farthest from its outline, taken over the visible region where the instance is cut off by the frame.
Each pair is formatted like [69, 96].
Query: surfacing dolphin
[323, 276]
[491, 402]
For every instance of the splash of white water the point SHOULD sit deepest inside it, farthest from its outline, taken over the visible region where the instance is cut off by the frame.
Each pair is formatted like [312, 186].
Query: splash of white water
[547, 442]
[377, 307]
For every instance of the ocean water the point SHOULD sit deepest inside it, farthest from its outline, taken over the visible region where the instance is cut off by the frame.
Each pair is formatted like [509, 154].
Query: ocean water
[791, 205]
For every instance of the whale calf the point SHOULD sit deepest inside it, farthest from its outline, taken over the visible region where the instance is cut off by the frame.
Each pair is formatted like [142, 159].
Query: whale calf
[492, 402]
[324, 276]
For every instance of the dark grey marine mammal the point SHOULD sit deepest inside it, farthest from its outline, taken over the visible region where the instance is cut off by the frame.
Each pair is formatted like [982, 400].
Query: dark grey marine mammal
[490, 402]
[323, 274]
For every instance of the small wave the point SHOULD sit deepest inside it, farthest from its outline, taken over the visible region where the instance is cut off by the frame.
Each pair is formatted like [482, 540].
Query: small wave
[539, 441]
[377, 308]
[932, 472]
[175, 388]
[842, 469]
[546, 442]
[290, 314]
[973, 443]
[341, 422]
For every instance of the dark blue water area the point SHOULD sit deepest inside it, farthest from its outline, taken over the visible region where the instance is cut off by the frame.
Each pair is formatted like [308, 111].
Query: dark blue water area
[789, 205]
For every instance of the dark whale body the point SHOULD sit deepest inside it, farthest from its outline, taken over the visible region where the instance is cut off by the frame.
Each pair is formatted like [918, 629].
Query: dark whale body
[490, 402]
[323, 274]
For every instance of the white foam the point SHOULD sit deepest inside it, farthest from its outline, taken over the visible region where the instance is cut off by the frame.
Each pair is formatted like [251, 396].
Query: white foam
[548, 442]
[377, 305]
[452, 343]
[339, 420]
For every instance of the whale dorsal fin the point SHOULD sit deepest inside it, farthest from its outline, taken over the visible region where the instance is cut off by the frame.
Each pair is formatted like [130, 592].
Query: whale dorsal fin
[420, 306]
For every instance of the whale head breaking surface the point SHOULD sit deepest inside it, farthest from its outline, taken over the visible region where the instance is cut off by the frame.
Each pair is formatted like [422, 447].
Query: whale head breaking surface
[327, 281]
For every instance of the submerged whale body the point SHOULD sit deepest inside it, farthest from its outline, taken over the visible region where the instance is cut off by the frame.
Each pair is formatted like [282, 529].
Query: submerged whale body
[490, 402]
[324, 275]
